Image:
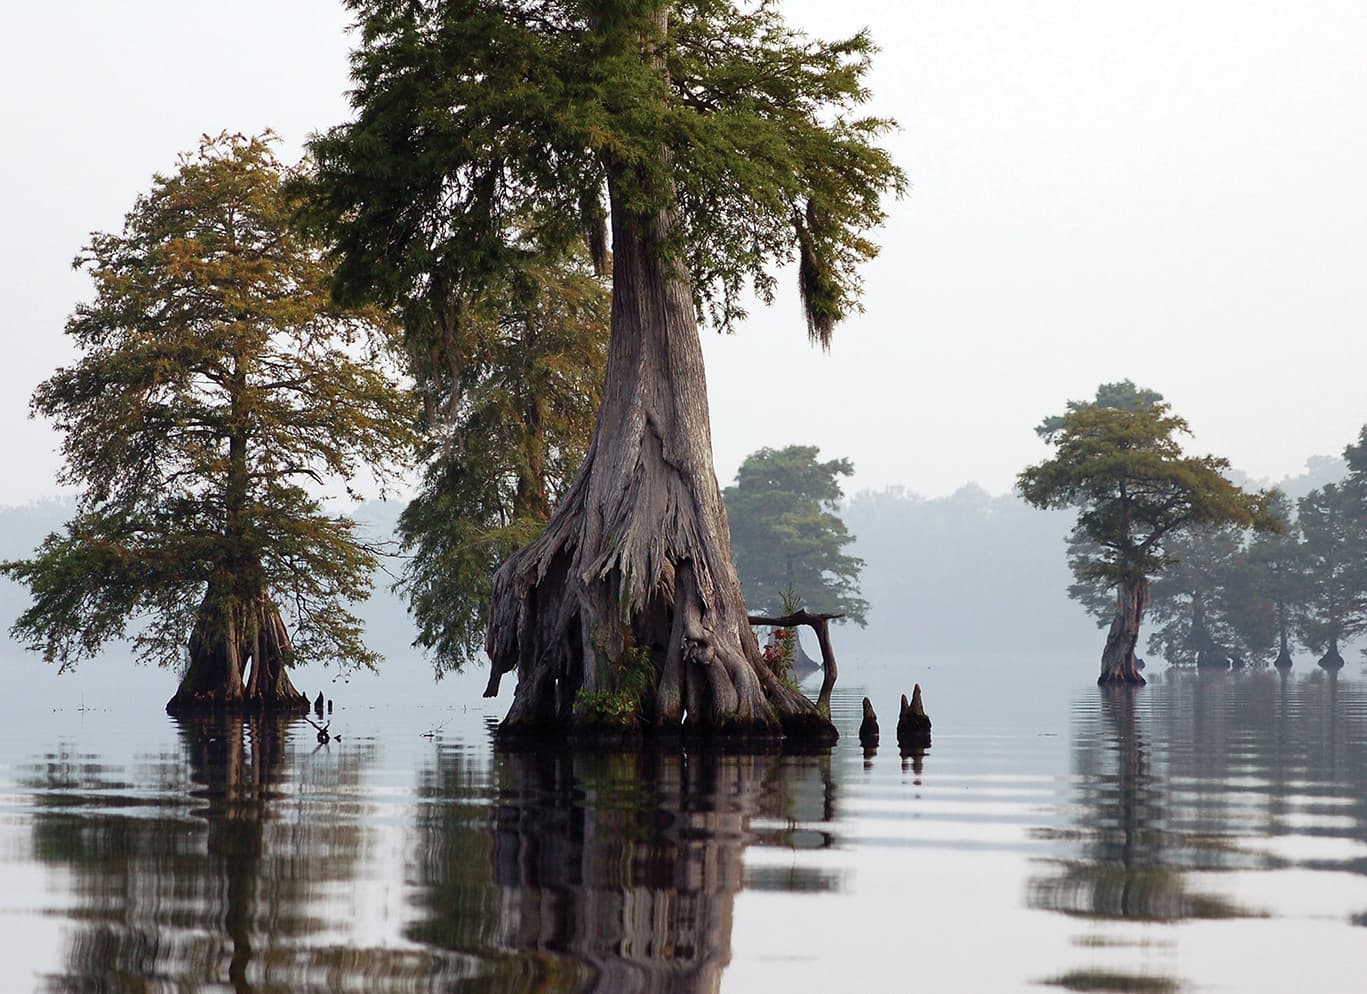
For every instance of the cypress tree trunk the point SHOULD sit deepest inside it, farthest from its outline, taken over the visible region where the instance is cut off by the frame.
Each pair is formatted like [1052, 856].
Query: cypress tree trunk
[230, 635]
[628, 610]
[1117, 659]
[1209, 655]
[1284, 661]
[1332, 660]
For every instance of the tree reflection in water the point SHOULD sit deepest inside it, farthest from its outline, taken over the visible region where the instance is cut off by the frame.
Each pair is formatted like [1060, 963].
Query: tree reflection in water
[1205, 773]
[613, 872]
[1133, 851]
[208, 871]
[240, 863]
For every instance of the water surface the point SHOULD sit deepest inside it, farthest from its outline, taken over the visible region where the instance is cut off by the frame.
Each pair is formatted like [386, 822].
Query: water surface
[1204, 833]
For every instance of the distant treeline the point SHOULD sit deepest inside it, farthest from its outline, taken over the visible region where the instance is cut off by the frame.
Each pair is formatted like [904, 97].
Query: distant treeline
[970, 573]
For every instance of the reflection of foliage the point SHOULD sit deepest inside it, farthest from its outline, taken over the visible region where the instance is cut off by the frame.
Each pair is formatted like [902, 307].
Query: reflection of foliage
[1127, 867]
[1217, 769]
[208, 893]
[1102, 982]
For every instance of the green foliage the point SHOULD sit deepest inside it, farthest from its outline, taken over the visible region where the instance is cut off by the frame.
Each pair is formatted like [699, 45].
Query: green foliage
[780, 652]
[1333, 557]
[1126, 473]
[1206, 603]
[1121, 396]
[1276, 566]
[510, 392]
[787, 535]
[216, 380]
[633, 679]
[490, 130]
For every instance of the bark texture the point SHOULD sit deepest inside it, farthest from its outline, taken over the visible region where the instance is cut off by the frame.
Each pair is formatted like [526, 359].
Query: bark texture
[239, 650]
[629, 601]
[1117, 659]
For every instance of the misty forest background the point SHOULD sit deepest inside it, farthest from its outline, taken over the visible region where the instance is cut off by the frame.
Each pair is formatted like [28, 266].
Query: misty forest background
[970, 573]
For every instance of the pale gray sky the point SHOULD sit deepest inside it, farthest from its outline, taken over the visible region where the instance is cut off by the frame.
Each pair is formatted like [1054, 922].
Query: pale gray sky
[1168, 191]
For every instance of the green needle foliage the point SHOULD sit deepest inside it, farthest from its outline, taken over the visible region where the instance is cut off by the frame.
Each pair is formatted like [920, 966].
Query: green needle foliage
[788, 537]
[217, 387]
[1333, 604]
[488, 130]
[509, 397]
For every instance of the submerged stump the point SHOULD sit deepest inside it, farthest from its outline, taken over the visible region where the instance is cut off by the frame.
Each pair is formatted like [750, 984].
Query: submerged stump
[913, 724]
[868, 728]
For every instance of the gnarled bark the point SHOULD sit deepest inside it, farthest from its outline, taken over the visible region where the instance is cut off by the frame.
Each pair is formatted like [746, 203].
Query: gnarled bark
[1117, 659]
[239, 650]
[631, 589]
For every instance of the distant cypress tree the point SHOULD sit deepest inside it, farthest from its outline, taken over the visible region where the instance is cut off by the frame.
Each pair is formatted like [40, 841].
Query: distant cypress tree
[788, 536]
[1125, 471]
[1333, 604]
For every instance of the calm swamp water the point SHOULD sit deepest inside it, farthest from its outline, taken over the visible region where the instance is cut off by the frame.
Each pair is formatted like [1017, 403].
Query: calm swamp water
[1206, 833]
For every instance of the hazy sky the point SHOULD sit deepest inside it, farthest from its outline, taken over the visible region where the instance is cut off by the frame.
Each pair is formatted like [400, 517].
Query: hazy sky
[1167, 191]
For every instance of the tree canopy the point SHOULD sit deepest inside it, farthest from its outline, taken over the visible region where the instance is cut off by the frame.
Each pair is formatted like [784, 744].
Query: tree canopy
[1119, 396]
[1127, 474]
[1333, 556]
[788, 536]
[218, 387]
[490, 129]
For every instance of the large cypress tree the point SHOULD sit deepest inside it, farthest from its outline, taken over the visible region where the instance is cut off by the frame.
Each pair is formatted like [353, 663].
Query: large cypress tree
[217, 386]
[712, 141]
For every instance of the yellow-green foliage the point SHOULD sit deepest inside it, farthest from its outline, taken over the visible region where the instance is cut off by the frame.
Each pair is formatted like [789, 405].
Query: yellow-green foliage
[1125, 471]
[217, 385]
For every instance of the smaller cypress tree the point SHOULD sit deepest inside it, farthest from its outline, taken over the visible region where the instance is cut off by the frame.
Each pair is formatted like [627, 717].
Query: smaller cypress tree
[216, 382]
